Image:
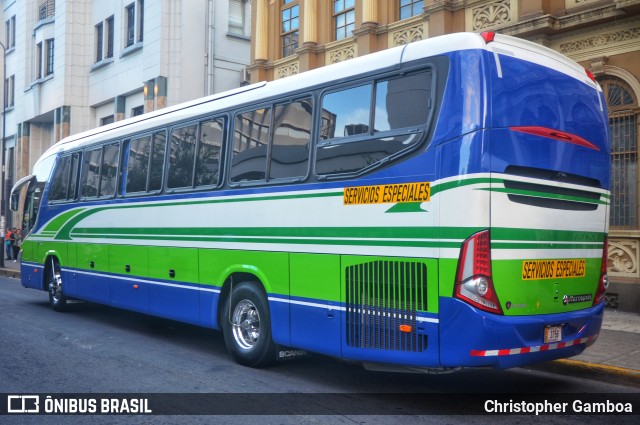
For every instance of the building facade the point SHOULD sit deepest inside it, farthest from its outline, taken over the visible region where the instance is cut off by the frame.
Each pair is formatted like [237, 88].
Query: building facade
[292, 36]
[73, 65]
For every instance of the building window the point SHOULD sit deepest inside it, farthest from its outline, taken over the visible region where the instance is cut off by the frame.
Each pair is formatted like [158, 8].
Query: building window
[236, 16]
[38, 61]
[107, 120]
[11, 32]
[110, 26]
[135, 22]
[138, 110]
[623, 133]
[9, 91]
[140, 20]
[409, 8]
[344, 18]
[131, 27]
[99, 36]
[104, 41]
[290, 27]
[49, 44]
[44, 58]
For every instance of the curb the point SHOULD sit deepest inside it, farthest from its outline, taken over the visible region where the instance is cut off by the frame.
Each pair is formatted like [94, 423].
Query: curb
[592, 371]
[10, 273]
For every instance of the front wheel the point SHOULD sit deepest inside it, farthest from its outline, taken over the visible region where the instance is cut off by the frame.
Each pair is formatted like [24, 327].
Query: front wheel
[57, 300]
[246, 325]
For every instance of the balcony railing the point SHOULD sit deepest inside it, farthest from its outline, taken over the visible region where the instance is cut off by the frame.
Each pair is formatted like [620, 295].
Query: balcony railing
[47, 9]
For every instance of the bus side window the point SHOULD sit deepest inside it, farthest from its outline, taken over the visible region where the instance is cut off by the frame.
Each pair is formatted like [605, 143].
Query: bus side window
[182, 159]
[145, 163]
[90, 179]
[109, 170]
[65, 179]
[250, 142]
[60, 180]
[346, 112]
[394, 123]
[157, 161]
[210, 144]
[291, 138]
[72, 193]
[138, 164]
[100, 172]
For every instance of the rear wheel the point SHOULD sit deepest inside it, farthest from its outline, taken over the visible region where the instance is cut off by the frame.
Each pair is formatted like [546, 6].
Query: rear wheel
[54, 285]
[247, 326]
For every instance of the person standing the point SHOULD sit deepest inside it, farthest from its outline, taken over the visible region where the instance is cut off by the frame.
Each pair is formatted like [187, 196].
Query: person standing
[8, 245]
[17, 242]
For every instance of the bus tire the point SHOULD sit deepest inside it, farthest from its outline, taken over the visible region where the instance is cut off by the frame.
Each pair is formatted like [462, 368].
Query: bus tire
[57, 300]
[246, 325]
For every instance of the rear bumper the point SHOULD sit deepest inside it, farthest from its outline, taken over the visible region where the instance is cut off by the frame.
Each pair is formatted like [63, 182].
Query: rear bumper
[472, 338]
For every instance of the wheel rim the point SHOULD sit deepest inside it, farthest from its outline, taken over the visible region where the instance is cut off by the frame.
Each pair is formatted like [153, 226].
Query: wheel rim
[55, 287]
[246, 324]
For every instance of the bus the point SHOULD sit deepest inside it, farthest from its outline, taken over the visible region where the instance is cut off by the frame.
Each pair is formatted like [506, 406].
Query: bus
[434, 206]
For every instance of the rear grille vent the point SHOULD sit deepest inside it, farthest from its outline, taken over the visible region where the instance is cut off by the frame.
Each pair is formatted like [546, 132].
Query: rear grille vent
[550, 196]
[383, 297]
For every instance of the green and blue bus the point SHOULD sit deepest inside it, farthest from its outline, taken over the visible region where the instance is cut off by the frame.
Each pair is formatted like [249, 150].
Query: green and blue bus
[438, 205]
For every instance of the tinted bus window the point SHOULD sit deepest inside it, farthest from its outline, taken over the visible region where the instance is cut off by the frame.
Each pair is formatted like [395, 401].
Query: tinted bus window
[188, 170]
[291, 138]
[65, 178]
[250, 141]
[60, 181]
[346, 112]
[182, 159]
[100, 171]
[157, 161]
[401, 103]
[145, 163]
[73, 178]
[209, 147]
[90, 179]
[138, 164]
[109, 170]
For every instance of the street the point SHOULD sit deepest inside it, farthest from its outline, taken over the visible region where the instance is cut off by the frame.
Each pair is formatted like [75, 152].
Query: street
[96, 349]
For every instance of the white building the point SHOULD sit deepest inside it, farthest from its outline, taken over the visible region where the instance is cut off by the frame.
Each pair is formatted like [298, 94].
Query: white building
[72, 65]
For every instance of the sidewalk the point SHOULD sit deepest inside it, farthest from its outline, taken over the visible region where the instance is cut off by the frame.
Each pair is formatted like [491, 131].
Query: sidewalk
[10, 269]
[615, 356]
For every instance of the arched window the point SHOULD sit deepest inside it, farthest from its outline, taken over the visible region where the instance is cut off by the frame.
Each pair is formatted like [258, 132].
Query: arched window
[623, 127]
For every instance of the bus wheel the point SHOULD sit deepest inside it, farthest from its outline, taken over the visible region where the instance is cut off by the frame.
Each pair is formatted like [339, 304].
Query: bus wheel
[54, 284]
[247, 326]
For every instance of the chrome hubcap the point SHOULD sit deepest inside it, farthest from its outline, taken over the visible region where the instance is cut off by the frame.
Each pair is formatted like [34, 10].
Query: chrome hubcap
[55, 286]
[246, 324]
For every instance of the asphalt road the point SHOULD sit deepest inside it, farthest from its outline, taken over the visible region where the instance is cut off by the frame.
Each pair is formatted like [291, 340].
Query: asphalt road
[96, 349]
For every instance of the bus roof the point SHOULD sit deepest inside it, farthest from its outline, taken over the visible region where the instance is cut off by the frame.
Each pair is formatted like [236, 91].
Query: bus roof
[330, 73]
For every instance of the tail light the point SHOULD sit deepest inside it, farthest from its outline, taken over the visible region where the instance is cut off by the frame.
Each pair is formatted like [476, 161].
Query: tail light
[488, 36]
[603, 284]
[474, 284]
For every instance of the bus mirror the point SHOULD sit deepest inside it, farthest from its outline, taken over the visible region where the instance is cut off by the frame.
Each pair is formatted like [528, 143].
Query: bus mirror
[15, 198]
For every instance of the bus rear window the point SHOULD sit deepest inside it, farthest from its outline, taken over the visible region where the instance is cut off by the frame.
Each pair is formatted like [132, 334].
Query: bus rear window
[363, 126]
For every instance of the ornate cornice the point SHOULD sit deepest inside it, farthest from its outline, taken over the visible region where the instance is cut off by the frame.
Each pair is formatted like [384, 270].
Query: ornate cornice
[600, 40]
[551, 24]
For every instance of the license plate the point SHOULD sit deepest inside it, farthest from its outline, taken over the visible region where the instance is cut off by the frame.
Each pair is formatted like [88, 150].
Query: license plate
[552, 334]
